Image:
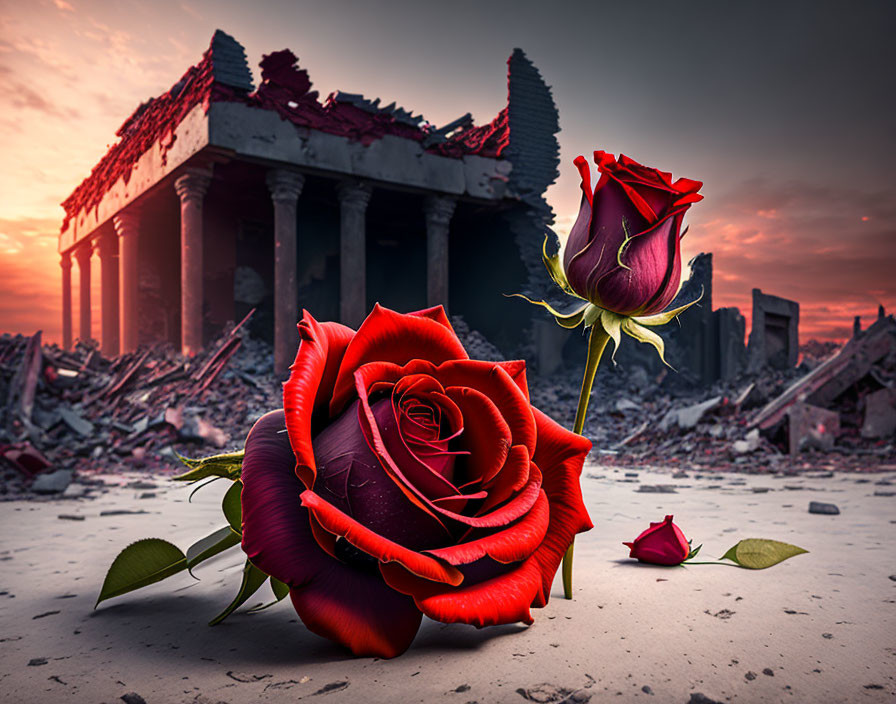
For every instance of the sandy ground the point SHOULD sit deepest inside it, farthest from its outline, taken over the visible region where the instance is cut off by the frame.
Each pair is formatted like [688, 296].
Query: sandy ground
[819, 627]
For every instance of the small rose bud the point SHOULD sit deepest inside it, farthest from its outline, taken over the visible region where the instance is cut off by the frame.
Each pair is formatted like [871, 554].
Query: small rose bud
[661, 544]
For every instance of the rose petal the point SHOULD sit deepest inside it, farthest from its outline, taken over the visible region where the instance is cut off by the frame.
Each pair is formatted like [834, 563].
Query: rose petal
[358, 610]
[492, 380]
[334, 600]
[516, 370]
[505, 598]
[560, 454]
[338, 523]
[304, 394]
[276, 534]
[512, 544]
[486, 436]
[387, 336]
[351, 478]
[510, 479]
[650, 262]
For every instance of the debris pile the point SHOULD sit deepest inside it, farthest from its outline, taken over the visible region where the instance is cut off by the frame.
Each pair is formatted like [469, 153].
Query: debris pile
[834, 411]
[80, 412]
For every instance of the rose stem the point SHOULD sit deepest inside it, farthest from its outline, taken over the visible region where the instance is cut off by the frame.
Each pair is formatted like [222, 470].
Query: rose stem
[597, 342]
[730, 564]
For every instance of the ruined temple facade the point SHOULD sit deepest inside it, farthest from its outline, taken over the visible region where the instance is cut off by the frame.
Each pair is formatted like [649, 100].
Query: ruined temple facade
[220, 197]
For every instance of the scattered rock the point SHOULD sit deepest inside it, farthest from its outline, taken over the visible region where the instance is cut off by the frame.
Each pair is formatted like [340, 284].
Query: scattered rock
[646, 689]
[35, 662]
[132, 698]
[700, 698]
[768, 671]
[245, 677]
[70, 517]
[750, 676]
[52, 483]
[687, 417]
[750, 443]
[823, 508]
[332, 687]
[552, 694]
[44, 615]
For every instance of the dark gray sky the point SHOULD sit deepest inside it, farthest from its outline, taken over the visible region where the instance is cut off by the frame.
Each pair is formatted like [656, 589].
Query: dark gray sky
[784, 109]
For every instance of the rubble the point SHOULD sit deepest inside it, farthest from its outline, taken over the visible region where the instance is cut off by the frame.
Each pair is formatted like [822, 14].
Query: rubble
[77, 414]
[85, 414]
[832, 412]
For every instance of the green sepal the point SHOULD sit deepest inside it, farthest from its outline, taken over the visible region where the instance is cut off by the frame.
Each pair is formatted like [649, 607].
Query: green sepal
[555, 268]
[693, 553]
[281, 591]
[612, 324]
[757, 554]
[210, 546]
[140, 564]
[564, 320]
[666, 316]
[253, 578]
[642, 334]
[228, 465]
[233, 510]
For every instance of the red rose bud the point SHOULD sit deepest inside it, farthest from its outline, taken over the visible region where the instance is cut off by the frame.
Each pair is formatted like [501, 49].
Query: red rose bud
[661, 544]
[623, 251]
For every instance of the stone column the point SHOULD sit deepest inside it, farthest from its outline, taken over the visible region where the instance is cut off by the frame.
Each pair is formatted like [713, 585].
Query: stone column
[127, 227]
[438, 211]
[353, 199]
[107, 250]
[66, 264]
[285, 187]
[82, 254]
[191, 188]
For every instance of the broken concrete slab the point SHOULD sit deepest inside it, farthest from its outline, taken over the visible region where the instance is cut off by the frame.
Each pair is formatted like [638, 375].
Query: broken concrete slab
[52, 483]
[811, 427]
[687, 417]
[880, 414]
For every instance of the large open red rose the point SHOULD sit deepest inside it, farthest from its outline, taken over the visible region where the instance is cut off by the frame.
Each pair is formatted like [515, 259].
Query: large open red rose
[402, 478]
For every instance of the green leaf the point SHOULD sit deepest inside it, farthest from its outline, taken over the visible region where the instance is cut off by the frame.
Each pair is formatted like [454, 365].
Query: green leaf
[204, 484]
[281, 591]
[210, 546]
[228, 465]
[253, 578]
[757, 554]
[731, 554]
[142, 563]
[233, 511]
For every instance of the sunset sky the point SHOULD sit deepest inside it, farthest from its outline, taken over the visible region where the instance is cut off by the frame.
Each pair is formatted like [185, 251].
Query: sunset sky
[785, 110]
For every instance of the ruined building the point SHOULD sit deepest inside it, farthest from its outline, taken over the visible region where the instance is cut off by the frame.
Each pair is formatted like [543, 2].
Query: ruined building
[221, 196]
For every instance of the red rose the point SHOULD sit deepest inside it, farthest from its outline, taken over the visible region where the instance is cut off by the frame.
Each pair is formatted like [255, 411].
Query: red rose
[623, 251]
[661, 544]
[410, 480]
